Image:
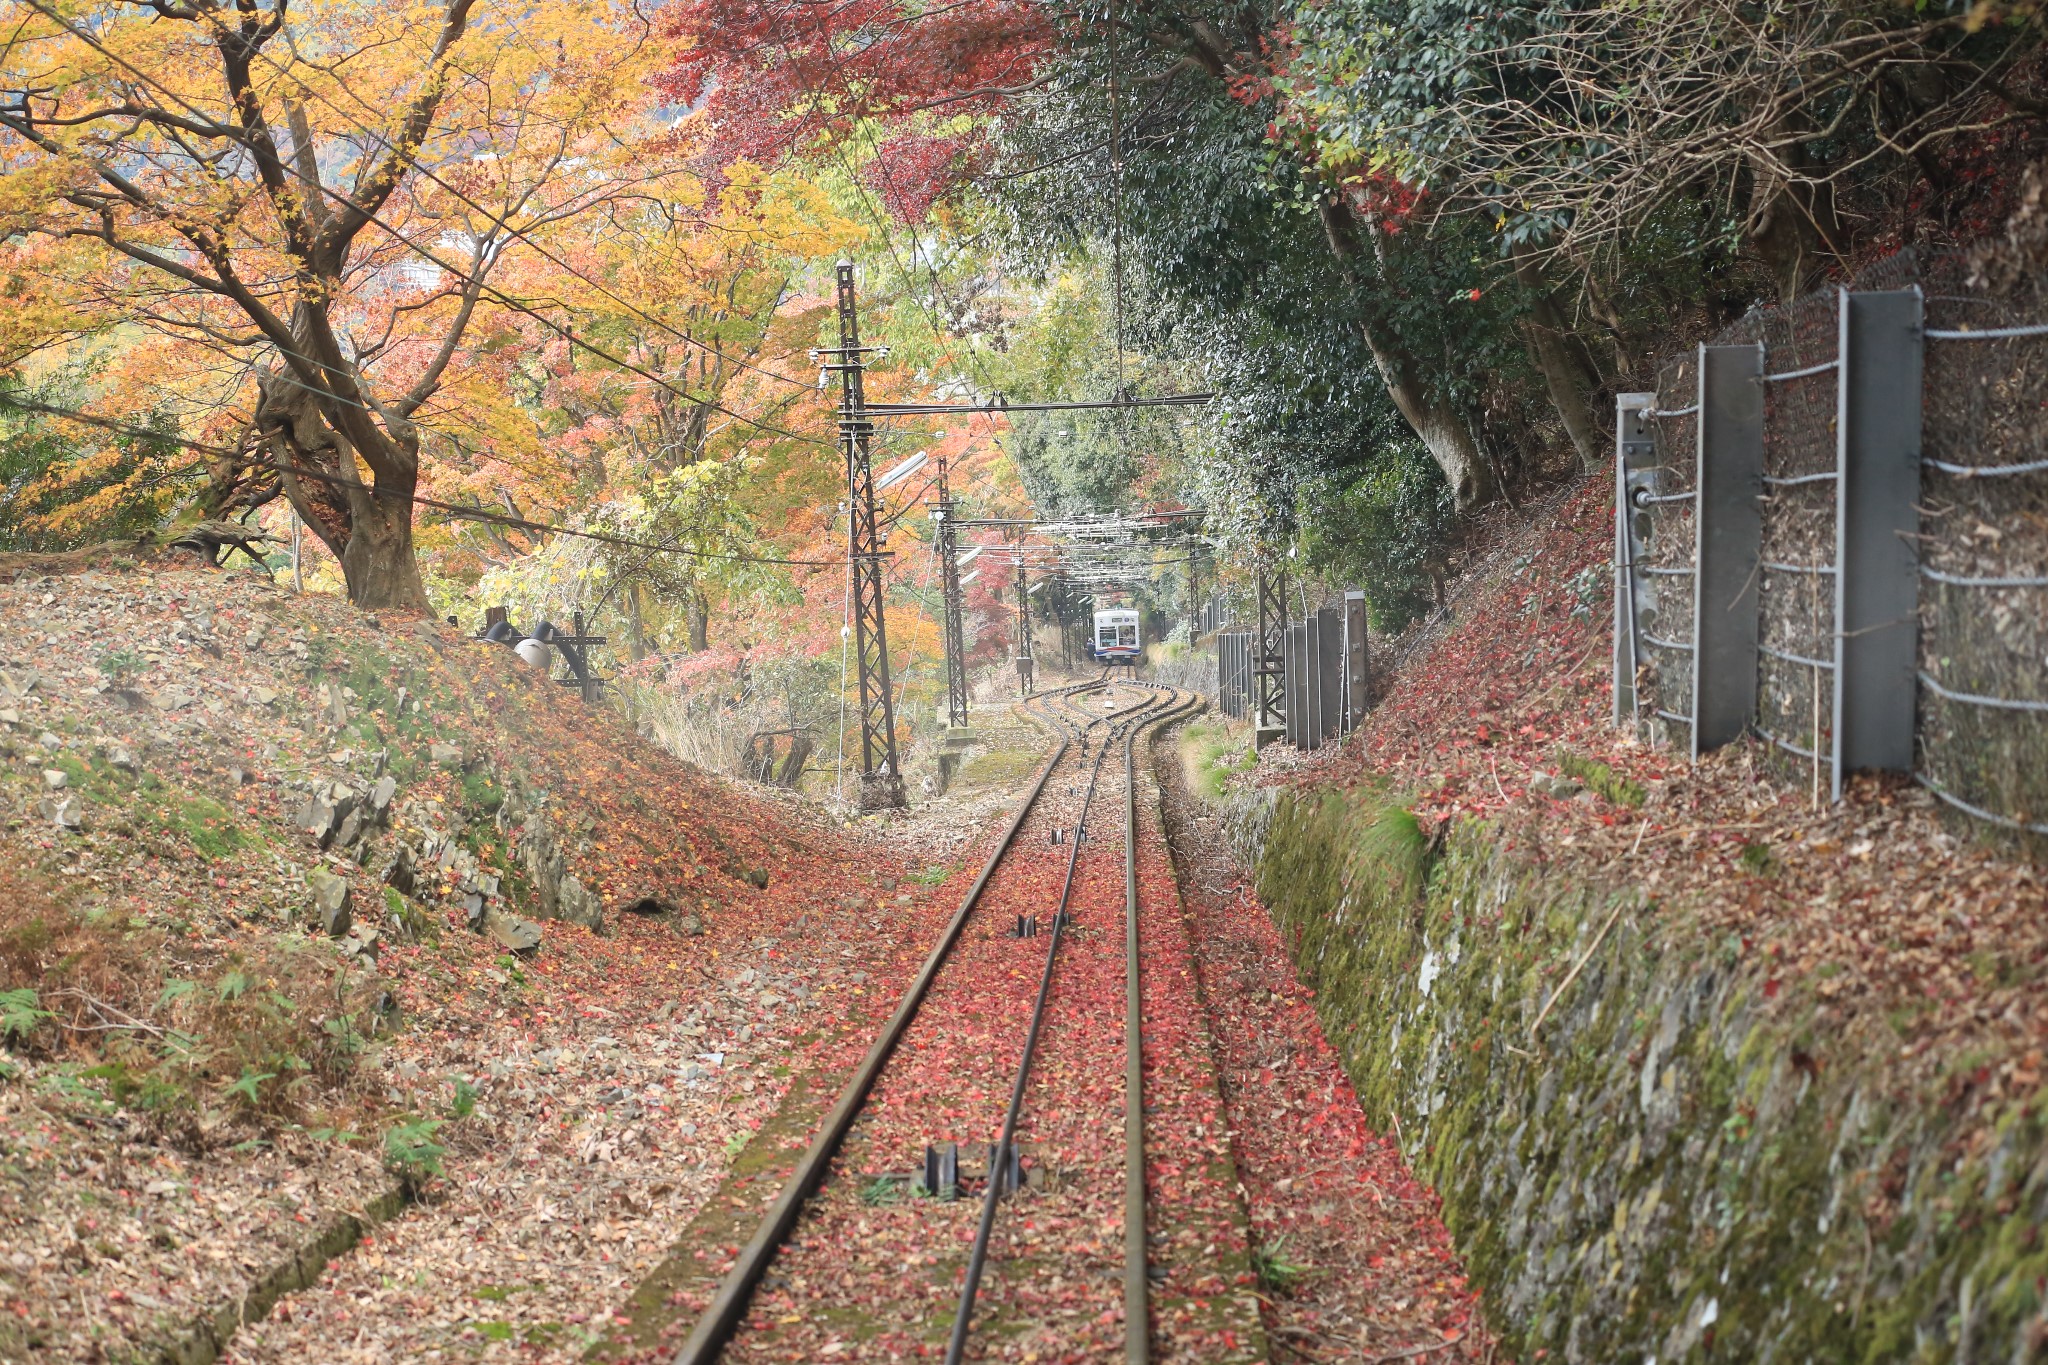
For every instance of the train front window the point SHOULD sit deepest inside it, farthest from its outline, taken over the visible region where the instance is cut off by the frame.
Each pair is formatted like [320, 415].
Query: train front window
[1127, 634]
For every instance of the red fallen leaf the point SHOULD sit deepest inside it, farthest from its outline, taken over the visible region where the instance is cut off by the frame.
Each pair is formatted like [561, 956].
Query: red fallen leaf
[1771, 989]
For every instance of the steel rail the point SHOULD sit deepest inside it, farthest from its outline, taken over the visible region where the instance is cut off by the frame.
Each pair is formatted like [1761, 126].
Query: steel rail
[729, 1304]
[977, 1256]
[1137, 1280]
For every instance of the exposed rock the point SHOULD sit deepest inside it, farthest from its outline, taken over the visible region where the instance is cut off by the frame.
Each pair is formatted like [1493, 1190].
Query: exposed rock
[318, 819]
[56, 779]
[65, 813]
[350, 831]
[331, 896]
[447, 755]
[124, 759]
[334, 703]
[560, 895]
[172, 699]
[577, 904]
[511, 932]
[412, 921]
[399, 873]
[362, 941]
[381, 794]
[689, 924]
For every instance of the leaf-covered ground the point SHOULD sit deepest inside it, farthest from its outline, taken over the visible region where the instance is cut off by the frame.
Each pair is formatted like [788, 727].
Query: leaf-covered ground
[1355, 1261]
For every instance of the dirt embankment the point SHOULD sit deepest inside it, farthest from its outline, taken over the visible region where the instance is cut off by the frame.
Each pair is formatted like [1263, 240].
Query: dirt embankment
[273, 869]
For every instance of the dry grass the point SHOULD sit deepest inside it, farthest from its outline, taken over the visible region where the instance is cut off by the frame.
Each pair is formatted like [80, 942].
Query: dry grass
[250, 1042]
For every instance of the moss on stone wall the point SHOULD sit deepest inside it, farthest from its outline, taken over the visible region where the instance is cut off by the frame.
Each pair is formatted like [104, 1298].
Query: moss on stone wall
[1674, 1167]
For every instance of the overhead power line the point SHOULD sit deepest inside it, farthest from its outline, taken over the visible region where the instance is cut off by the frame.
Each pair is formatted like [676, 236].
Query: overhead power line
[456, 510]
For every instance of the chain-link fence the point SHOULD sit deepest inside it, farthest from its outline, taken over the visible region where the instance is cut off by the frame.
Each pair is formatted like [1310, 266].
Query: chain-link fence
[1889, 605]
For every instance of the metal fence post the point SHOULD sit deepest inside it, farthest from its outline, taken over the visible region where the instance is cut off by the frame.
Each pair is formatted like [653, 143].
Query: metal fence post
[1634, 448]
[1728, 530]
[1223, 675]
[1357, 659]
[1329, 674]
[1295, 679]
[1877, 525]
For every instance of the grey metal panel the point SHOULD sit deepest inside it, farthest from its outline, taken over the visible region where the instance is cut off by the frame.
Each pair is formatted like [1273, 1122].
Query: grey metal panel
[1312, 680]
[1330, 674]
[1728, 525]
[1229, 661]
[1634, 448]
[1357, 662]
[1223, 675]
[1232, 649]
[1240, 673]
[1295, 680]
[1877, 522]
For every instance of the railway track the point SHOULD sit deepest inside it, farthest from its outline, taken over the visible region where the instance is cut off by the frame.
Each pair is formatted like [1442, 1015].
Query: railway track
[1093, 723]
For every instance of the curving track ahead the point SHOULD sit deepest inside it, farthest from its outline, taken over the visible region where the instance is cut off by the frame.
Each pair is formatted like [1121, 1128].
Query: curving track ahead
[1081, 754]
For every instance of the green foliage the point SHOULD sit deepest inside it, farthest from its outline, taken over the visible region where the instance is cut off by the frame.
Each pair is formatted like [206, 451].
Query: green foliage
[1279, 1273]
[248, 1088]
[464, 1102]
[1601, 778]
[1384, 528]
[411, 1151]
[1212, 755]
[21, 1011]
[48, 470]
[119, 665]
[204, 823]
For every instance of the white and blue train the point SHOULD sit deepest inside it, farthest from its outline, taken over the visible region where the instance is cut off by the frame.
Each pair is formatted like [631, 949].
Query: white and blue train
[1116, 636]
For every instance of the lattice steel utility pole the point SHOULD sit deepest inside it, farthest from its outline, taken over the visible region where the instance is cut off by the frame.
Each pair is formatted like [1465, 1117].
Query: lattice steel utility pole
[1268, 664]
[1027, 667]
[949, 578]
[881, 779]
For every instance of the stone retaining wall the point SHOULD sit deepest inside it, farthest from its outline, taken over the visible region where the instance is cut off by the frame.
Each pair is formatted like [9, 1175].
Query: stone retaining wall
[1664, 1172]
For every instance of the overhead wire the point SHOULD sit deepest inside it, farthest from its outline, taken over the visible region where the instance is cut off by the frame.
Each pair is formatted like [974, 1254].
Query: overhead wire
[456, 510]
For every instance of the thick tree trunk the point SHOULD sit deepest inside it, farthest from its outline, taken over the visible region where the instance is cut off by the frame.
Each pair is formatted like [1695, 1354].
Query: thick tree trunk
[1550, 342]
[697, 614]
[636, 629]
[1793, 227]
[378, 560]
[368, 528]
[1444, 433]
